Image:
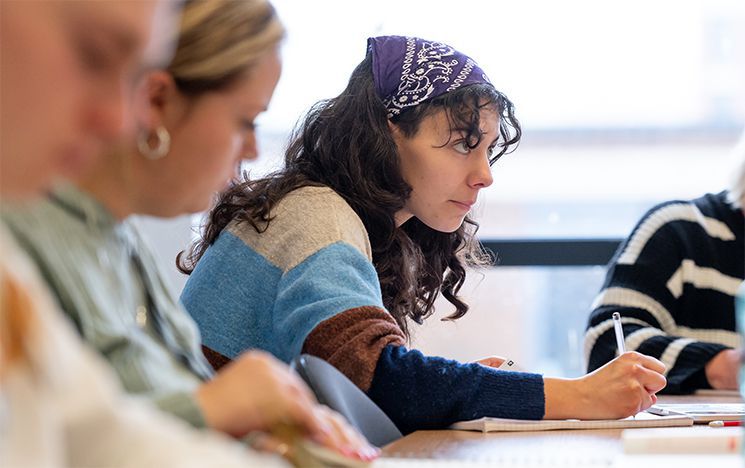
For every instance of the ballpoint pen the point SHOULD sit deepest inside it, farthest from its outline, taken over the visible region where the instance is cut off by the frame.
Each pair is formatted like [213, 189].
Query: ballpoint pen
[619, 333]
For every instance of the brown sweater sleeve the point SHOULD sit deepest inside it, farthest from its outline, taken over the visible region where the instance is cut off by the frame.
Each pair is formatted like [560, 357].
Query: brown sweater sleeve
[353, 340]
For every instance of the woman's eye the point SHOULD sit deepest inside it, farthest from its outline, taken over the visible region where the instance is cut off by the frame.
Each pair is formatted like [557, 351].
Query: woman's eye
[94, 58]
[462, 147]
[95, 53]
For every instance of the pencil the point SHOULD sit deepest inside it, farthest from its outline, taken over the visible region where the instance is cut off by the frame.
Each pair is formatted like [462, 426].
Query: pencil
[619, 333]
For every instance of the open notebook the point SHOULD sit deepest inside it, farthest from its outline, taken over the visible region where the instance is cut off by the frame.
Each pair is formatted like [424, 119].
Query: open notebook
[642, 419]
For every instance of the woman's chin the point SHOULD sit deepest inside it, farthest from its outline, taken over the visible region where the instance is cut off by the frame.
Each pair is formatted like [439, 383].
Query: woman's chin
[444, 226]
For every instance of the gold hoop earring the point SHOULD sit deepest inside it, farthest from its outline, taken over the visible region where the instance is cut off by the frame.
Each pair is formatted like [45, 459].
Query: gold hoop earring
[162, 143]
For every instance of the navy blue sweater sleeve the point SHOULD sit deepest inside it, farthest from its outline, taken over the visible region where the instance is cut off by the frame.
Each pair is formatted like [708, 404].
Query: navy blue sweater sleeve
[414, 390]
[423, 392]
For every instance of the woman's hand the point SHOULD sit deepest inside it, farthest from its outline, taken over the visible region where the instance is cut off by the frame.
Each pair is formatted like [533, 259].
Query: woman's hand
[621, 388]
[256, 392]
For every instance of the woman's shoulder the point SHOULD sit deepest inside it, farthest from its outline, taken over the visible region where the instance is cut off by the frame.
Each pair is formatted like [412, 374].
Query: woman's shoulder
[708, 212]
[318, 199]
[305, 221]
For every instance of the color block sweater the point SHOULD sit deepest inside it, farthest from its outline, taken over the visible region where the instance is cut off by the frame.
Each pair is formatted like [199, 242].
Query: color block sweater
[307, 284]
[674, 282]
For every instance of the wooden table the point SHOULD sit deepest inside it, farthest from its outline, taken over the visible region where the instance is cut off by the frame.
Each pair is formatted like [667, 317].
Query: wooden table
[575, 448]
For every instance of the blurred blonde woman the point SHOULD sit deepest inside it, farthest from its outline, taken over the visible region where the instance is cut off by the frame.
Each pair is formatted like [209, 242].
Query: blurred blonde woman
[65, 85]
[197, 127]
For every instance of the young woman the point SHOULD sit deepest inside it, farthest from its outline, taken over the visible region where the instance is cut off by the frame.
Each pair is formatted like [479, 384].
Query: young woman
[364, 227]
[197, 128]
[59, 404]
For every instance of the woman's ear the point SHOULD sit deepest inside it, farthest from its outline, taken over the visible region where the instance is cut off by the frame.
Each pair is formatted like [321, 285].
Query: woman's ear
[395, 132]
[155, 94]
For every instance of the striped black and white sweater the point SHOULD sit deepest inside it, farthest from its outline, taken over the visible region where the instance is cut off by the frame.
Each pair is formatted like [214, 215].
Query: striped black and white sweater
[674, 282]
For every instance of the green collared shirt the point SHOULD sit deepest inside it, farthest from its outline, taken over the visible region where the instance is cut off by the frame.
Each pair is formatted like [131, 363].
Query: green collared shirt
[122, 307]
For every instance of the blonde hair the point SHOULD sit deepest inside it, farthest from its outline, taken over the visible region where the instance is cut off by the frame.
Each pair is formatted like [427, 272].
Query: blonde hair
[221, 40]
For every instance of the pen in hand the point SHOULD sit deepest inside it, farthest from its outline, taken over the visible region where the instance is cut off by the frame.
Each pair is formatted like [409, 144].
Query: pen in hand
[619, 333]
[620, 342]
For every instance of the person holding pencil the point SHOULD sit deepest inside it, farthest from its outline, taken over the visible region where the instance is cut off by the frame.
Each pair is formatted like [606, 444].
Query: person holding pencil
[674, 283]
[345, 249]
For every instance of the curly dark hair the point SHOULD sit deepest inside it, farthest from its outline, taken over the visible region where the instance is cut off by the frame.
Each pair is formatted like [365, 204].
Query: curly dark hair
[345, 143]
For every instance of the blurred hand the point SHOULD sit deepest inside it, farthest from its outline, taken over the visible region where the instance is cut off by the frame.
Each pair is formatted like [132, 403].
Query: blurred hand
[722, 370]
[345, 445]
[256, 392]
[621, 388]
[343, 437]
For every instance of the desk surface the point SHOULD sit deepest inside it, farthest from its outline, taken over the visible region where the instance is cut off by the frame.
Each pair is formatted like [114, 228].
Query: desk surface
[565, 448]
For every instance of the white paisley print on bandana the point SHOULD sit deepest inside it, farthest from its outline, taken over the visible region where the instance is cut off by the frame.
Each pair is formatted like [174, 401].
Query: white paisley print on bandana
[435, 62]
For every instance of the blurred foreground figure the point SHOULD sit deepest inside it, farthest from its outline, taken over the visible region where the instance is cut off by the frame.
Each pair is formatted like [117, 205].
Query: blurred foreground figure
[66, 73]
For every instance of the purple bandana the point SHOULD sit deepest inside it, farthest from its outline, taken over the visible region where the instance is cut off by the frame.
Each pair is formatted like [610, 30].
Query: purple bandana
[410, 70]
